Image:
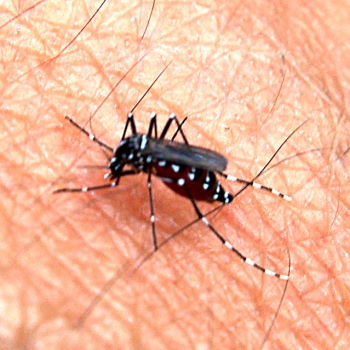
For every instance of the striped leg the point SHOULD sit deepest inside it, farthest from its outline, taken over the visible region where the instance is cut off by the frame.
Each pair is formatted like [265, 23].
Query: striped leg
[151, 205]
[99, 187]
[86, 189]
[153, 132]
[231, 247]
[89, 134]
[255, 185]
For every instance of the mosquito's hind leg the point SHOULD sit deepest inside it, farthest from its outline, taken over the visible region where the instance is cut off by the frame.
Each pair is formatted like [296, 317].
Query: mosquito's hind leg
[228, 245]
[255, 185]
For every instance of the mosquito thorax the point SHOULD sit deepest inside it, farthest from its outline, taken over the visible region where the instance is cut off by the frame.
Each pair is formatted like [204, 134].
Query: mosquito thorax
[128, 152]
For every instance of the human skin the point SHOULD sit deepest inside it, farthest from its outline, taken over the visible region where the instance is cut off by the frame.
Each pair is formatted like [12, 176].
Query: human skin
[228, 60]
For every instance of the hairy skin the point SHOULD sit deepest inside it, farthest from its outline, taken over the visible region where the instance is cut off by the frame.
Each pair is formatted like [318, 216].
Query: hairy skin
[57, 251]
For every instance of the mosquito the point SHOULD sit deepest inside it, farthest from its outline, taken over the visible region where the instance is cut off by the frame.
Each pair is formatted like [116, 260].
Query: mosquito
[190, 171]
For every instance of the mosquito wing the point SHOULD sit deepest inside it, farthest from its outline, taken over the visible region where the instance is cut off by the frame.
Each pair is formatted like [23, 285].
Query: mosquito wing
[181, 153]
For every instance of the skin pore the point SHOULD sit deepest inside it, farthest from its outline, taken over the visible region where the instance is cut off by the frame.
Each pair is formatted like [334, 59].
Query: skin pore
[228, 60]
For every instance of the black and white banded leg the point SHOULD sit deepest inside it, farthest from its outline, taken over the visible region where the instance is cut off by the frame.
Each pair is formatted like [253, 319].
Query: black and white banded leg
[90, 135]
[98, 187]
[228, 245]
[151, 206]
[256, 185]
[153, 132]
[93, 138]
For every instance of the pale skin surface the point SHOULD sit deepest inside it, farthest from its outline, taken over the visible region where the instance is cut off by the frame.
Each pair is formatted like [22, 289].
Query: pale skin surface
[57, 251]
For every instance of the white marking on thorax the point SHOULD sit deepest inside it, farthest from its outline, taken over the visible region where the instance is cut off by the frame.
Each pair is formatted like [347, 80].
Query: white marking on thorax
[143, 142]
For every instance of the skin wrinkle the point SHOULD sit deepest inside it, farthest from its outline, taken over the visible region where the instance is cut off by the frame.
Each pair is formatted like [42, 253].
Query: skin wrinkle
[236, 72]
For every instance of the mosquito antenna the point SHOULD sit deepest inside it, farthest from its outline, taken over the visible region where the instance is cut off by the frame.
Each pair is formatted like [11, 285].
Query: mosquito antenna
[150, 87]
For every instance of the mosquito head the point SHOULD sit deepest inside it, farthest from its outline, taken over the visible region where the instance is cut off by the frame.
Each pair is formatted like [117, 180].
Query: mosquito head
[127, 152]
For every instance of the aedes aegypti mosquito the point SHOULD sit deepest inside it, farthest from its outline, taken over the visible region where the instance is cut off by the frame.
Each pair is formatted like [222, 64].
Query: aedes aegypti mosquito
[188, 170]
